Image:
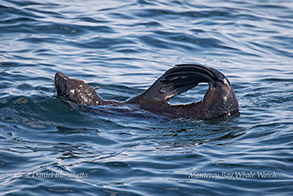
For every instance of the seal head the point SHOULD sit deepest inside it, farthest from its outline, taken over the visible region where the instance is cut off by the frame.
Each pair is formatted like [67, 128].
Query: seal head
[76, 90]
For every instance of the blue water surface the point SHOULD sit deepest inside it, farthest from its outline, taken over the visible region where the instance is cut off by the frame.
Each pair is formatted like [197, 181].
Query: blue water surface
[48, 147]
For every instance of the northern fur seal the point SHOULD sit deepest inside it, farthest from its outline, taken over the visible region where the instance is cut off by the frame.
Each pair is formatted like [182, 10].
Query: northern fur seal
[218, 101]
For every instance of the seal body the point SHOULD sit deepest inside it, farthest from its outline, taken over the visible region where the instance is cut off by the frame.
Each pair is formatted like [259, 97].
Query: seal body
[219, 100]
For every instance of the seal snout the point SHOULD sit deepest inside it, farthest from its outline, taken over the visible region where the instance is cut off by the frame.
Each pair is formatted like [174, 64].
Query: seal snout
[59, 77]
[60, 83]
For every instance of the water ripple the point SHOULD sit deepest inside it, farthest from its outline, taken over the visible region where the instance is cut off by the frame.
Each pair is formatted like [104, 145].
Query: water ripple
[49, 146]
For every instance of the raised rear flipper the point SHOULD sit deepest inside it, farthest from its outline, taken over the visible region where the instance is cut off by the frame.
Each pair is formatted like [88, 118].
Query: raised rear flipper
[181, 78]
[219, 99]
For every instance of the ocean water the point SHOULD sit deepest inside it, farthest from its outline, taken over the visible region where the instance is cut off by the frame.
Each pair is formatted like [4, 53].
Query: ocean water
[48, 147]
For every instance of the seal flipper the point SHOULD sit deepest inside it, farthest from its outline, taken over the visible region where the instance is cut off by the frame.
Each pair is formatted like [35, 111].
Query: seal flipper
[219, 100]
[179, 79]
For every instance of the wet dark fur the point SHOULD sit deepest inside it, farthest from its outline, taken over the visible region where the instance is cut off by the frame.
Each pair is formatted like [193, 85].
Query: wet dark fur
[218, 101]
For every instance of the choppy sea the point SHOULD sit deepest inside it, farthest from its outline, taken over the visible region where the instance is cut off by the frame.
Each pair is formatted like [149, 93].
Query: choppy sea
[48, 147]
